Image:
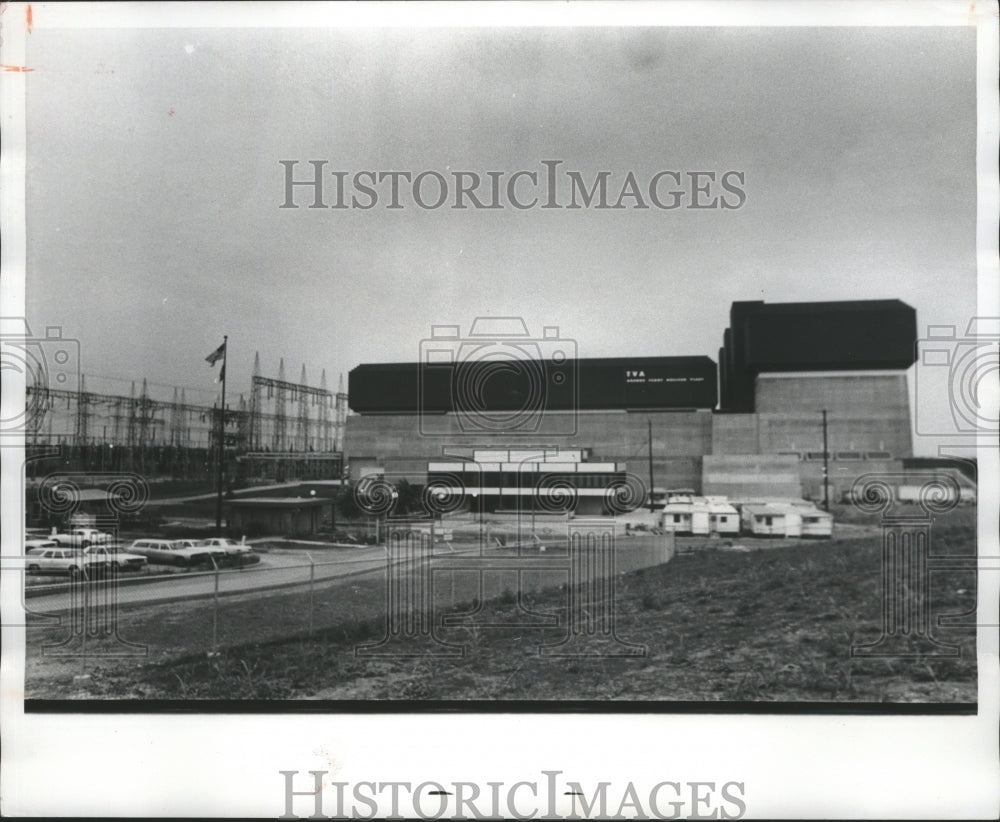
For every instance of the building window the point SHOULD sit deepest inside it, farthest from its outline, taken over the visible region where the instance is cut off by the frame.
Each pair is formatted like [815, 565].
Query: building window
[768, 520]
[677, 518]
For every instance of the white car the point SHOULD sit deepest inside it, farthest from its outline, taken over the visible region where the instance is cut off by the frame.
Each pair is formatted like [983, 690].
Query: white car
[82, 537]
[186, 552]
[55, 559]
[35, 543]
[231, 546]
[121, 560]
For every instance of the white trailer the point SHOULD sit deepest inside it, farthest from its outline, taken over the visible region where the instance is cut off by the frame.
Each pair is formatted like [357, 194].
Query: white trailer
[692, 517]
[772, 520]
[816, 523]
[724, 518]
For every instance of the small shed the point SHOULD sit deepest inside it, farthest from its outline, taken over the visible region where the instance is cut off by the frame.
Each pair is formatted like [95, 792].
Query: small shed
[295, 516]
[88, 506]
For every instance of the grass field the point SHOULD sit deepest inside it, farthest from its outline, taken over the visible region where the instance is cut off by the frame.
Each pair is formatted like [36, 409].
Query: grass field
[775, 624]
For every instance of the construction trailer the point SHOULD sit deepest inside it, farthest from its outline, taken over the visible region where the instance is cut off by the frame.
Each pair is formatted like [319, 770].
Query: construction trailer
[687, 517]
[677, 513]
[724, 519]
[816, 523]
[771, 519]
[685, 514]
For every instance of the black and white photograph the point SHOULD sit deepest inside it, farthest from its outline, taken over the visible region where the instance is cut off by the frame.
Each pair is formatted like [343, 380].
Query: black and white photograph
[498, 364]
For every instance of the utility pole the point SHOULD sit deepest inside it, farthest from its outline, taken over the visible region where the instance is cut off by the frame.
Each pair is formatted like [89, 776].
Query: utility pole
[826, 467]
[649, 428]
[222, 440]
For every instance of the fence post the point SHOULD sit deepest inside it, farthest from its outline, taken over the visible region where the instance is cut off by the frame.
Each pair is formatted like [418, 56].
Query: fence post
[86, 617]
[312, 579]
[215, 611]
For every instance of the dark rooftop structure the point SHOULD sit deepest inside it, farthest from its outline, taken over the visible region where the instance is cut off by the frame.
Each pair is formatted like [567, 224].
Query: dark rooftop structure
[496, 385]
[823, 336]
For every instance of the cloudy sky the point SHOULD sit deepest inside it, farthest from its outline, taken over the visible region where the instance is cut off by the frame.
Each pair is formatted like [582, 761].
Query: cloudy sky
[154, 186]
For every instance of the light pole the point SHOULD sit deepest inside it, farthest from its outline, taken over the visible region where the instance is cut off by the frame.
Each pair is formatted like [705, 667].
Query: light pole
[378, 517]
[826, 467]
[221, 459]
[477, 502]
[649, 425]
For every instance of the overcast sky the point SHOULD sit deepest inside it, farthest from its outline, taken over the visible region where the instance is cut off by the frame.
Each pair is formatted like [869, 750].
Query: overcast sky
[154, 187]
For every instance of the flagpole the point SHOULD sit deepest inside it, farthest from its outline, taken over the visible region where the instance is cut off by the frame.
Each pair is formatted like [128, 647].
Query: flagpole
[222, 439]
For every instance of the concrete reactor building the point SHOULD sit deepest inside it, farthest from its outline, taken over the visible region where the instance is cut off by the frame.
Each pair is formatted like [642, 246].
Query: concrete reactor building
[498, 413]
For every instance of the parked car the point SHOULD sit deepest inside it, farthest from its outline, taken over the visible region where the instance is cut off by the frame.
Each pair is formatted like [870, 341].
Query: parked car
[33, 544]
[82, 537]
[59, 560]
[231, 546]
[109, 556]
[186, 552]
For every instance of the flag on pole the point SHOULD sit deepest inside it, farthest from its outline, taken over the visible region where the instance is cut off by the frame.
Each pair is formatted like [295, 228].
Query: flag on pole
[216, 355]
[222, 372]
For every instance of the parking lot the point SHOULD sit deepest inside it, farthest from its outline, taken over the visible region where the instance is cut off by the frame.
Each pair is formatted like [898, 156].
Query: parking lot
[156, 583]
